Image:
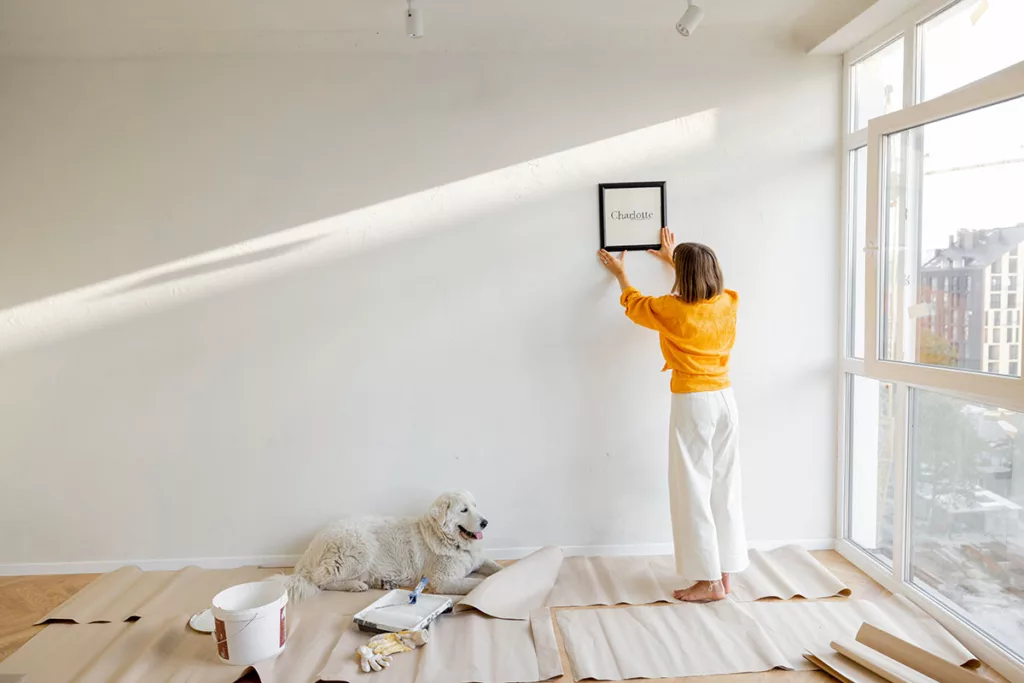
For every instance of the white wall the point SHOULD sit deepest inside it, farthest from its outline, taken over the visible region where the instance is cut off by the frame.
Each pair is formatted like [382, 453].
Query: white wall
[455, 337]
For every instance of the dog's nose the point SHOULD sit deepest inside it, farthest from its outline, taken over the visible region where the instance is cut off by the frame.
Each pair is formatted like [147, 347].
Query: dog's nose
[483, 523]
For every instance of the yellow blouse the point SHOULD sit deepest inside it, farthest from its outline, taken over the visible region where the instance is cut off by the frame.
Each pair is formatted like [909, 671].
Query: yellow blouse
[696, 339]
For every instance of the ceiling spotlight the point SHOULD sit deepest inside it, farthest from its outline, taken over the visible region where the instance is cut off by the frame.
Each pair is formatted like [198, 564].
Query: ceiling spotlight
[414, 20]
[691, 18]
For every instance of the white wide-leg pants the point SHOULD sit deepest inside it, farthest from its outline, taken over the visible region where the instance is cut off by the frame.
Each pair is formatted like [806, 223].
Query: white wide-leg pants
[704, 486]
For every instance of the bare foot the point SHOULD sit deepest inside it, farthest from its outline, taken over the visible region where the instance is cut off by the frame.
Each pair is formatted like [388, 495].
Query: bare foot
[702, 591]
[726, 583]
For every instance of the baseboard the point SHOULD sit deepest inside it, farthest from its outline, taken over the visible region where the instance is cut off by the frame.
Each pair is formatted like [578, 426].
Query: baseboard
[102, 566]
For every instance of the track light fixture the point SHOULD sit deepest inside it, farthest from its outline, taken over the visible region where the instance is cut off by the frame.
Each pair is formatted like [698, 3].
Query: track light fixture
[414, 20]
[691, 18]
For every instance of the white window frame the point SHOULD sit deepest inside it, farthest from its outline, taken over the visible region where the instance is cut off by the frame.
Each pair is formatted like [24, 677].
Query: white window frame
[1005, 391]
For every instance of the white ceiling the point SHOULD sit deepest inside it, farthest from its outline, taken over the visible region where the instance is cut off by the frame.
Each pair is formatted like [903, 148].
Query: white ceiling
[141, 27]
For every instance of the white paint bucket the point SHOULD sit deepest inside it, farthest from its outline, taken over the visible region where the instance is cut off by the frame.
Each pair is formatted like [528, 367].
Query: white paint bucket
[249, 622]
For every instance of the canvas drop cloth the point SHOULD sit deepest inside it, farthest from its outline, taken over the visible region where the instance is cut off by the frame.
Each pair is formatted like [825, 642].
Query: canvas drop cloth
[131, 593]
[164, 649]
[798, 627]
[665, 641]
[784, 572]
[517, 590]
[696, 640]
[463, 648]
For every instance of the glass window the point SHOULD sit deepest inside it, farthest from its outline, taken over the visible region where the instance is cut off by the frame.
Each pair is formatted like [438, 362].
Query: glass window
[993, 367]
[857, 229]
[1011, 300]
[967, 538]
[928, 174]
[872, 437]
[995, 335]
[1014, 353]
[993, 351]
[1015, 369]
[968, 41]
[996, 318]
[997, 265]
[997, 282]
[877, 84]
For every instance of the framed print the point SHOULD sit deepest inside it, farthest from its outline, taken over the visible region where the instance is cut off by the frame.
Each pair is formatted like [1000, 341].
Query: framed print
[632, 215]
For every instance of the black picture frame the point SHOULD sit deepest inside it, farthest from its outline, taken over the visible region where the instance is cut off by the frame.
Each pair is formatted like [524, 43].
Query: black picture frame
[663, 208]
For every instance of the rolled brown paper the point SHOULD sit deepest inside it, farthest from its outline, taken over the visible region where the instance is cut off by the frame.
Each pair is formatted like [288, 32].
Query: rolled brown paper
[916, 658]
[887, 668]
[842, 669]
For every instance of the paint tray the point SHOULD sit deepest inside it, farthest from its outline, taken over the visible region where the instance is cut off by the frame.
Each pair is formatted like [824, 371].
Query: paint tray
[393, 613]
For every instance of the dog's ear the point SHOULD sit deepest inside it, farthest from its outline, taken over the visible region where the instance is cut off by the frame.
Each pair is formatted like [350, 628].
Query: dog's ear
[439, 510]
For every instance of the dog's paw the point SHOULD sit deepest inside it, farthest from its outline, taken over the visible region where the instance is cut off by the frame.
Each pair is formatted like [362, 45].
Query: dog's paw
[359, 587]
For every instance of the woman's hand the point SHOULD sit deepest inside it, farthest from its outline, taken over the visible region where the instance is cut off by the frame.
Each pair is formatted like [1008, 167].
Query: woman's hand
[668, 245]
[615, 266]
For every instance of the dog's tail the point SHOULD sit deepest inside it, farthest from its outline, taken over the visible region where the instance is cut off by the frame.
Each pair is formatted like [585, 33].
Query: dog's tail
[298, 585]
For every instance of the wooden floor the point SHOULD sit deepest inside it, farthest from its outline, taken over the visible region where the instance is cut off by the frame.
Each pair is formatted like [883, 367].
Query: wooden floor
[25, 599]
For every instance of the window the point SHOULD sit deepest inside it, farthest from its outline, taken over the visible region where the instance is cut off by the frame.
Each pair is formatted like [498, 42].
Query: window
[988, 31]
[877, 82]
[872, 438]
[965, 523]
[926, 214]
[933, 395]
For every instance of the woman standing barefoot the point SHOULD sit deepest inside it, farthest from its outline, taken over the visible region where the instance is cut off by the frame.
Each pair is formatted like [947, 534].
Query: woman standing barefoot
[696, 324]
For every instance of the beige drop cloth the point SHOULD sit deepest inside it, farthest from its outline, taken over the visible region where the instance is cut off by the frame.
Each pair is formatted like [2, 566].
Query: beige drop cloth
[665, 641]
[798, 627]
[130, 592]
[164, 600]
[164, 649]
[696, 640]
[784, 572]
[463, 648]
[517, 590]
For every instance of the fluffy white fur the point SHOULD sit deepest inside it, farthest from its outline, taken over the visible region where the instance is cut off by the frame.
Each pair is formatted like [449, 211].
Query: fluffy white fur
[382, 552]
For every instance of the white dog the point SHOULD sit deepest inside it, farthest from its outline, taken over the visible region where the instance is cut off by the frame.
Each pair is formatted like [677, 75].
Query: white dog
[358, 553]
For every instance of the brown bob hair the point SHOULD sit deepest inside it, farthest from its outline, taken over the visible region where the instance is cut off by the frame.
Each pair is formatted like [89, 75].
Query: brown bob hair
[698, 275]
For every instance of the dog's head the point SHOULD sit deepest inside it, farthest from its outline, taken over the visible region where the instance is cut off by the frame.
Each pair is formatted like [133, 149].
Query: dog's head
[457, 516]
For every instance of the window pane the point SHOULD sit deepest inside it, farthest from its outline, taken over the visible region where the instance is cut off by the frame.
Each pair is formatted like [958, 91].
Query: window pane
[967, 535]
[871, 448]
[877, 84]
[856, 234]
[952, 209]
[968, 41]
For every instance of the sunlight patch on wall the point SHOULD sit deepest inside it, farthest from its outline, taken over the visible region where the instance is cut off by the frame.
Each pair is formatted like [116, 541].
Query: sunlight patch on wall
[371, 227]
